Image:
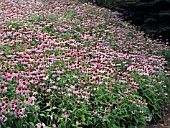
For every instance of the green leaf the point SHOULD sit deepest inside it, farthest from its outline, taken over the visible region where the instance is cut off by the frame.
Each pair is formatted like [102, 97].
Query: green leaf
[83, 118]
[42, 114]
[32, 124]
[48, 110]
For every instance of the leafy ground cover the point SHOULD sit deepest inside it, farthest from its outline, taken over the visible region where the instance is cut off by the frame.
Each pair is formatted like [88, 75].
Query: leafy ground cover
[77, 65]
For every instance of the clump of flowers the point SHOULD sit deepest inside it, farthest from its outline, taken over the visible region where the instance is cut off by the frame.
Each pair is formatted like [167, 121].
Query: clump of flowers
[76, 66]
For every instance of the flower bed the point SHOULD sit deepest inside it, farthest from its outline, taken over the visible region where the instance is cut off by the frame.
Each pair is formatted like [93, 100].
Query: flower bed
[76, 66]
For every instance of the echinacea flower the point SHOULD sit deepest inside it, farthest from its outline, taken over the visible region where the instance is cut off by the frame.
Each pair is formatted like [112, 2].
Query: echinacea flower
[110, 104]
[40, 125]
[3, 118]
[99, 115]
[78, 122]
[94, 112]
[66, 114]
[54, 125]
[148, 118]
[3, 89]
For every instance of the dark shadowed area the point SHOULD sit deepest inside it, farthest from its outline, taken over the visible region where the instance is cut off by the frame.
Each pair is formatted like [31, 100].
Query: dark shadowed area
[152, 16]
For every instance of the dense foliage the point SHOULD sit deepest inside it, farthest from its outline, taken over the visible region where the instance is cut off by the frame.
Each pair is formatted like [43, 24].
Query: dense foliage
[76, 66]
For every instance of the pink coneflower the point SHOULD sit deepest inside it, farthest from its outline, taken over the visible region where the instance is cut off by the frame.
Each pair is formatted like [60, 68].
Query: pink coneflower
[99, 115]
[66, 114]
[9, 78]
[3, 118]
[3, 89]
[94, 112]
[141, 111]
[89, 103]
[54, 125]
[78, 122]
[40, 125]
[48, 104]
[110, 104]
[18, 90]
[118, 100]
[148, 118]
[64, 109]
[107, 109]
[6, 110]
[126, 91]
[32, 102]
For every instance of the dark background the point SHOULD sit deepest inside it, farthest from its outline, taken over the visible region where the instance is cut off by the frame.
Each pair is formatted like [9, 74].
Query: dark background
[152, 16]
